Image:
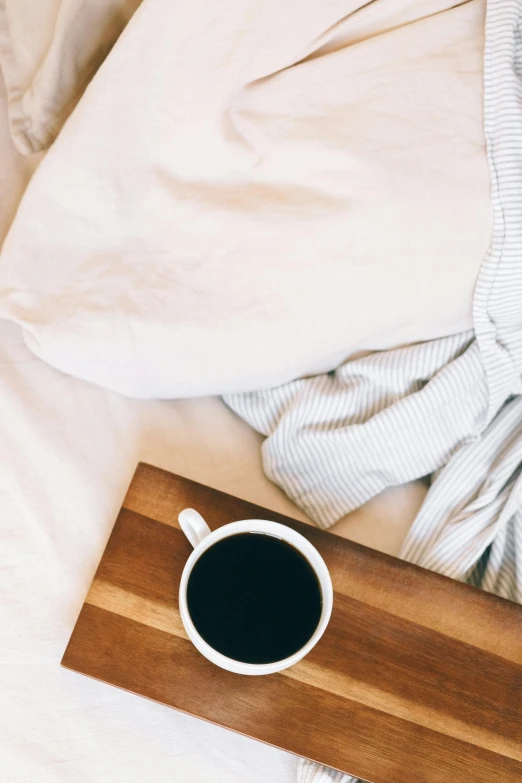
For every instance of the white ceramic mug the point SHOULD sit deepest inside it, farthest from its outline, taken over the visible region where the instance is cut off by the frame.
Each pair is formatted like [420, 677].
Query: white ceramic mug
[201, 538]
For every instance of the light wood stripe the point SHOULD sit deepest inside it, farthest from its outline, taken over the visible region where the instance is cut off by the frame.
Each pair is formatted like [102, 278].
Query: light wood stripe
[393, 704]
[156, 614]
[165, 617]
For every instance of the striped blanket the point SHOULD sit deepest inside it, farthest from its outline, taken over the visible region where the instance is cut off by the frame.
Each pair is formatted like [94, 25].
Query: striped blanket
[451, 408]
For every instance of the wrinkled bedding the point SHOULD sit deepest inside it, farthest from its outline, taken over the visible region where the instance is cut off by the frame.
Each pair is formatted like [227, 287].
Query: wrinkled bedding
[15, 170]
[257, 191]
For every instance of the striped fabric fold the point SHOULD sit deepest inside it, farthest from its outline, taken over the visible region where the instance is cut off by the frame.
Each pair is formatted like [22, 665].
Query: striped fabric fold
[450, 407]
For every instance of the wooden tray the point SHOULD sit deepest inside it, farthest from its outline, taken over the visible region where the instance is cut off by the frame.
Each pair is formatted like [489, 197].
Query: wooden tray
[418, 679]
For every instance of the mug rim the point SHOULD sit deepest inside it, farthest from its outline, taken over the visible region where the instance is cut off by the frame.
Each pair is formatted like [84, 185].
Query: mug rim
[292, 537]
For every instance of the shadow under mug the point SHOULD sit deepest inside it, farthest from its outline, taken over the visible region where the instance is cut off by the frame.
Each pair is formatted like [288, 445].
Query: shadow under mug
[202, 538]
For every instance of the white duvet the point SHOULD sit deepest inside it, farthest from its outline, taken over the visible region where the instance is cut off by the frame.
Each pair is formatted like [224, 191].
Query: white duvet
[253, 191]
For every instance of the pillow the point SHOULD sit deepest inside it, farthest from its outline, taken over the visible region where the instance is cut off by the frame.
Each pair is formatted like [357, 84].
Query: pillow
[247, 194]
[49, 51]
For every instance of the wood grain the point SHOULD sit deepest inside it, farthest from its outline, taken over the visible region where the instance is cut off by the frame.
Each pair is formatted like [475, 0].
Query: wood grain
[418, 679]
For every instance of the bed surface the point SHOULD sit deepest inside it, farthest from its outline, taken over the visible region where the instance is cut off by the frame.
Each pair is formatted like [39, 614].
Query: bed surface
[68, 451]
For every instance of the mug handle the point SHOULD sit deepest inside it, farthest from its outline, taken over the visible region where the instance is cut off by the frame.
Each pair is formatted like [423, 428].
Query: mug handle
[193, 525]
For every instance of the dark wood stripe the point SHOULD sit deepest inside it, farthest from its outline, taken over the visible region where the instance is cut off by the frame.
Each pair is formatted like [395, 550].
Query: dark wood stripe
[279, 710]
[424, 667]
[314, 670]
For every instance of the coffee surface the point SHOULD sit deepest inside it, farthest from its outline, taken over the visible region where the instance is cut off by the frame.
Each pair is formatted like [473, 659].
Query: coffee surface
[254, 598]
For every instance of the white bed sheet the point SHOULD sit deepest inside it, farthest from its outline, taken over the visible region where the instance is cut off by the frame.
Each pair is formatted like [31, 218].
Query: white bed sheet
[67, 452]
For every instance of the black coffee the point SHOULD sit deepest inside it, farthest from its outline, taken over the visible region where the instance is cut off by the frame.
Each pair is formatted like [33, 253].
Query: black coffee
[254, 598]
